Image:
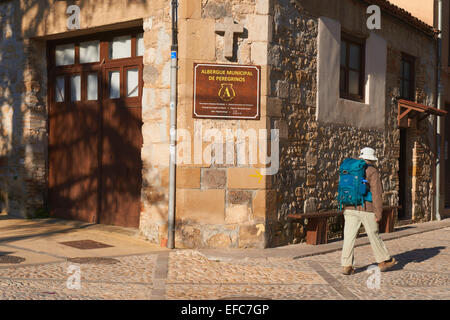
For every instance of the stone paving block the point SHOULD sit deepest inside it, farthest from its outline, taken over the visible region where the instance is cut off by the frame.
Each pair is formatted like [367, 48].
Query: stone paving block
[389, 293]
[273, 292]
[186, 267]
[57, 290]
[422, 273]
[137, 269]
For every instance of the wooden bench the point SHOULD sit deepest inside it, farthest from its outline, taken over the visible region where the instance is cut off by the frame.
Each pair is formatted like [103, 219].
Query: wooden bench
[317, 227]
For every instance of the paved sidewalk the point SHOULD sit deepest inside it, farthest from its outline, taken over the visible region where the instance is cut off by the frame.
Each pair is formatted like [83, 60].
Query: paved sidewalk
[313, 272]
[41, 240]
[130, 268]
[304, 250]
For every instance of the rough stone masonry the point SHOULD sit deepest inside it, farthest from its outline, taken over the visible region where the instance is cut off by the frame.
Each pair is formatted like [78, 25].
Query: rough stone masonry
[222, 205]
[23, 133]
[312, 151]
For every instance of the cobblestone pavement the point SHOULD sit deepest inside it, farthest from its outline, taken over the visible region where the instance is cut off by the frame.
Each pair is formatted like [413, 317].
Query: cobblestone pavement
[423, 272]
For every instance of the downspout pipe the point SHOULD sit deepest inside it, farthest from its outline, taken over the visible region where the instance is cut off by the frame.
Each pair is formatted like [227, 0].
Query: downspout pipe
[439, 120]
[173, 126]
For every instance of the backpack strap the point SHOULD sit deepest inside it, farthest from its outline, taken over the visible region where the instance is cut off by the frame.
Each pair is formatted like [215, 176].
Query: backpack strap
[368, 165]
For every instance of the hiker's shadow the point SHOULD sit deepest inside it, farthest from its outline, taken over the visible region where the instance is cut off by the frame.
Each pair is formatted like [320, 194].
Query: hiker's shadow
[416, 256]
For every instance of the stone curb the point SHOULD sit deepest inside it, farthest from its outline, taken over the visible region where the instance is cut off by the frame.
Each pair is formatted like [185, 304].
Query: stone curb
[303, 250]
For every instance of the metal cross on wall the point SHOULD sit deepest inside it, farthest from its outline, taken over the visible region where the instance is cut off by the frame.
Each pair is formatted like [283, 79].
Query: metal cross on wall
[229, 28]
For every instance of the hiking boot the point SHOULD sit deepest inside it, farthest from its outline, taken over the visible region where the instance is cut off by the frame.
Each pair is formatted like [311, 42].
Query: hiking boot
[348, 271]
[386, 265]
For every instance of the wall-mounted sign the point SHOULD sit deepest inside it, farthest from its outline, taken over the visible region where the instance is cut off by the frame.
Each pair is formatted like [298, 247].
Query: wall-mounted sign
[227, 91]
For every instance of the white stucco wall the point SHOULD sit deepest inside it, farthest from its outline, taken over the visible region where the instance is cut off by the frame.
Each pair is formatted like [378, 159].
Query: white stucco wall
[329, 40]
[330, 107]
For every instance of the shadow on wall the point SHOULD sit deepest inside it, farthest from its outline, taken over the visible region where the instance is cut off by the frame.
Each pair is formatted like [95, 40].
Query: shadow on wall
[24, 118]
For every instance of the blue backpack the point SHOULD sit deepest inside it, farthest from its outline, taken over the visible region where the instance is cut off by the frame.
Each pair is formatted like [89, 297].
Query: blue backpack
[353, 189]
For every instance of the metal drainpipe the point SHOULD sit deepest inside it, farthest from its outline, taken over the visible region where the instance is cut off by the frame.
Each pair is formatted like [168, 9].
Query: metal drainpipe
[173, 126]
[439, 120]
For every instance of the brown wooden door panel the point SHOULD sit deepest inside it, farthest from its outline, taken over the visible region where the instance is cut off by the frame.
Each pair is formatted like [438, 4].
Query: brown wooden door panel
[94, 146]
[85, 166]
[73, 156]
[121, 165]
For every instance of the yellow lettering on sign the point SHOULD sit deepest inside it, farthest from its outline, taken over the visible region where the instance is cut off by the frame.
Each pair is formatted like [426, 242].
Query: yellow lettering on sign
[212, 71]
[227, 75]
[239, 73]
[230, 79]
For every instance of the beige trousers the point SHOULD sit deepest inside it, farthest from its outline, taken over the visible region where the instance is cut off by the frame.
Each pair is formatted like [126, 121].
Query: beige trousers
[353, 220]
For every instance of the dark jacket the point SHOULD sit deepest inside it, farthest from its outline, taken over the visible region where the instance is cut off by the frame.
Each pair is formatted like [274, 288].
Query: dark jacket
[376, 206]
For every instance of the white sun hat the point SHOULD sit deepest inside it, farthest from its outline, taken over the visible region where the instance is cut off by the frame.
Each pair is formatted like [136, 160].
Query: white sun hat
[368, 154]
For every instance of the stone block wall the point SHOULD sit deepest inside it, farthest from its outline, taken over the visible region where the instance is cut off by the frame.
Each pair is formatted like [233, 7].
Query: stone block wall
[311, 151]
[23, 114]
[156, 124]
[219, 204]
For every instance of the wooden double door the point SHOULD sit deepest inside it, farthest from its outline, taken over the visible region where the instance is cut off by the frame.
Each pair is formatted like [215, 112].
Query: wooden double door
[95, 125]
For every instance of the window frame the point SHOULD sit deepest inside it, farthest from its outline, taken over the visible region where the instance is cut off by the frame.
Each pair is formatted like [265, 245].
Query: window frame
[361, 43]
[98, 67]
[412, 81]
[104, 38]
